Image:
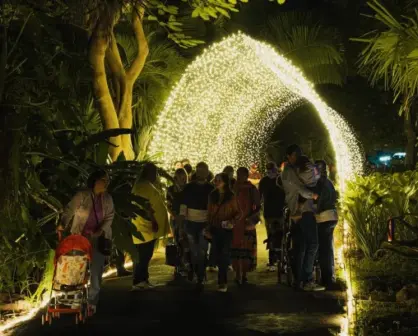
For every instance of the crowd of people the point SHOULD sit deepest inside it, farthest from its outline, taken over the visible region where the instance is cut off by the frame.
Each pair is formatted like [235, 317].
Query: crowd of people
[213, 219]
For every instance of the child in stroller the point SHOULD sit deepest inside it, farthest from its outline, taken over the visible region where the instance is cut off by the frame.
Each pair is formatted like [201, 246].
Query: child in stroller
[68, 294]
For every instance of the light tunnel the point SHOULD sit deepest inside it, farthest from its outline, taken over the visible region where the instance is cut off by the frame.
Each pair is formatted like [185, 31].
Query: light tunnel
[227, 103]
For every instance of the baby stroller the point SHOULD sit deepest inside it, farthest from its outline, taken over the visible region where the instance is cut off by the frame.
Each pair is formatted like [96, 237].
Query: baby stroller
[69, 291]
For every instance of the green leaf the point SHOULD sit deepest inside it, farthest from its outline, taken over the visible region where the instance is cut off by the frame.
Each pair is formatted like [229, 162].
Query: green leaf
[196, 12]
[223, 12]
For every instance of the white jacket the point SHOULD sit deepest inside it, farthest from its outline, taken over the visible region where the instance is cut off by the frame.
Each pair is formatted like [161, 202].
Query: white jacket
[77, 212]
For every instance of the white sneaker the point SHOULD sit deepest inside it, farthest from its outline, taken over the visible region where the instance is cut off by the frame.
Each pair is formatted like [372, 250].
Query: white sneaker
[230, 268]
[272, 268]
[142, 286]
[313, 287]
[222, 288]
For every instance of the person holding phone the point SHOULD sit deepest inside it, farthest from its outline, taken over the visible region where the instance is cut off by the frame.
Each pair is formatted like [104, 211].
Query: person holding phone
[223, 214]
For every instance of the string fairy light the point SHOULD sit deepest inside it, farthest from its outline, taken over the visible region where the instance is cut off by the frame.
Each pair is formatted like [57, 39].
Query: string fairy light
[224, 109]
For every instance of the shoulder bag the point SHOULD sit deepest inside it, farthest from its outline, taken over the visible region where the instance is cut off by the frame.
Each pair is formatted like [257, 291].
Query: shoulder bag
[104, 245]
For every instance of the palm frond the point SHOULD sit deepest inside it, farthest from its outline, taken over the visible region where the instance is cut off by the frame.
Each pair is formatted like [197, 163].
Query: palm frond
[391, 54]
[315, 49]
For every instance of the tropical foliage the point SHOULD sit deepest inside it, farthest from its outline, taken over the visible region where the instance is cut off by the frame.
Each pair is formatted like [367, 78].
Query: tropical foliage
[302, 37]
[51, 131]
[370, 201]
[311, 46]
[390, 56]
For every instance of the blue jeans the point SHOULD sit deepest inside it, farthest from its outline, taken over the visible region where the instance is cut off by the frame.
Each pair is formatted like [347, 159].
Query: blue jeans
[198, 248]
[305, 235]
[326, 251]
[96, 272]
[221, 241]
[212, 257]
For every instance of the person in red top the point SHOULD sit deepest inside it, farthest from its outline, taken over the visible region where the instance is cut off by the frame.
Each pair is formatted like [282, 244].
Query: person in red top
[244, 241]
[223, 214]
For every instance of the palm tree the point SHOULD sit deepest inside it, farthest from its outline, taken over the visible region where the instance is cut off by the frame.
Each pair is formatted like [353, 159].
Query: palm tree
[312, 47]
[299, 36]
[391, 56]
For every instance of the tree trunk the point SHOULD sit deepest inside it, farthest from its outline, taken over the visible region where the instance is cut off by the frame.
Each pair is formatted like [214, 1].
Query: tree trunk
[97, 53]
[411, 136]
[116, 112]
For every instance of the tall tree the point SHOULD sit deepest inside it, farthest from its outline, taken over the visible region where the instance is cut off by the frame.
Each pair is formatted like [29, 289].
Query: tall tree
[112, 81]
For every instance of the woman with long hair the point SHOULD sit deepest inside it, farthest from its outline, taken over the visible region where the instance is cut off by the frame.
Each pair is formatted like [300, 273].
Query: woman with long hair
[244, 242]
[90, 213]
[223, 213]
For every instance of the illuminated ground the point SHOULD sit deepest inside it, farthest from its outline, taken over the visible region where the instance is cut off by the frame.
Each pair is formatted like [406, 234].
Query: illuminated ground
[264, 309]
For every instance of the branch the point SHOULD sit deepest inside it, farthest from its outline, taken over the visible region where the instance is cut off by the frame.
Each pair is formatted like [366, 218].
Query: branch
[115, 64]
[143, 50]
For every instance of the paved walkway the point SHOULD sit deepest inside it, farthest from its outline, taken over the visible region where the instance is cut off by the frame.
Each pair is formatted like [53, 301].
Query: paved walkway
[261, 309]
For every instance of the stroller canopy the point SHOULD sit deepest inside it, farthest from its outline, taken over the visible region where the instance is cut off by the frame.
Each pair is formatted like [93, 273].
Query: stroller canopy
[74, 243]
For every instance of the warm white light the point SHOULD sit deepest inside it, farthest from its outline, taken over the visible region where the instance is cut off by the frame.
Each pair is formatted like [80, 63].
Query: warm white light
[226, 105]
[224, 109]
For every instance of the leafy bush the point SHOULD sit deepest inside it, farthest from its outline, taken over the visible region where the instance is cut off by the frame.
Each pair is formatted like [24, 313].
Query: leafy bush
[371, 200]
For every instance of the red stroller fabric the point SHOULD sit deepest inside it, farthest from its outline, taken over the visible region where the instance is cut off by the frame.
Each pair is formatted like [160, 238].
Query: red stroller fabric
[74, 242]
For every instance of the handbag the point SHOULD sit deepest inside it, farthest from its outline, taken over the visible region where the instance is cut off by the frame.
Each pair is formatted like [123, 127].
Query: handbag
[104, 245]
[172, 255]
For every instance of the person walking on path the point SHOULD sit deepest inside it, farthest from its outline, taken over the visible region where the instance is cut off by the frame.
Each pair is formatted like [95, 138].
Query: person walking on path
[273, 199]
[90, 213]
[223, 214]
[174, 200]
[152, 228]
[304, 228]
[194, 213]
[244, 240]
[327, 219]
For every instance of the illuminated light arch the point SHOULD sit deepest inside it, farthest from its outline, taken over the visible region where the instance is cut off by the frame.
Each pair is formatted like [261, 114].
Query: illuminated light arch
[225, 107]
